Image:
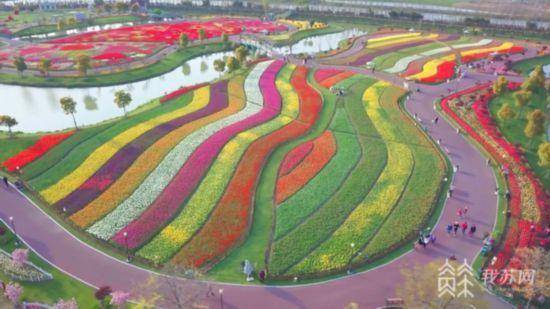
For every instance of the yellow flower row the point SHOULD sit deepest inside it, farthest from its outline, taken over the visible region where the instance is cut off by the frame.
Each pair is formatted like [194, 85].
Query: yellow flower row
[393, 37]
[103, 153]
[303, 24]
[138, 171]
[405, 39]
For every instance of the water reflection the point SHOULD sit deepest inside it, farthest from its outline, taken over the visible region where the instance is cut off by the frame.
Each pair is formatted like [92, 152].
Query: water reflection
[90, 103]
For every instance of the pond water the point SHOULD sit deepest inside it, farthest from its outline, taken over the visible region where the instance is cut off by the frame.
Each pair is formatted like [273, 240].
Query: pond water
[546, 69]
[38, 109]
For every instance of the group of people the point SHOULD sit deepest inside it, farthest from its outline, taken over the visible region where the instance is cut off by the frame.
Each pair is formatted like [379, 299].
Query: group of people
[425, 239]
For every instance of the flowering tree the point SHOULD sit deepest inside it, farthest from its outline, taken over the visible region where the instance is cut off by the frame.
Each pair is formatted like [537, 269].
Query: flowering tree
[119, 298]
[13, 292]
[102, 293]
[66, 304]
[19, 257]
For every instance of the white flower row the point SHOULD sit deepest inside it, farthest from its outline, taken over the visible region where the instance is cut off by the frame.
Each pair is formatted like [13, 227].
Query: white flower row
[402, 64]
[155, 182]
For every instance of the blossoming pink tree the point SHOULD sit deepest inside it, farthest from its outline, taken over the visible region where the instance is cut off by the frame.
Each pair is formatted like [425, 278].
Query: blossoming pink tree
[20, 256]
[66, 304]
[13, 292]
[119, 298]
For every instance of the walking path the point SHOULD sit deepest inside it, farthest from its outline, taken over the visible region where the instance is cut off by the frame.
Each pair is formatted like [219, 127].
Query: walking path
[474, 186]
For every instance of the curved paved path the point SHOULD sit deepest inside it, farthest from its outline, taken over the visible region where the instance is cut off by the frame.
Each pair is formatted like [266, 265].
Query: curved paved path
[474, 185]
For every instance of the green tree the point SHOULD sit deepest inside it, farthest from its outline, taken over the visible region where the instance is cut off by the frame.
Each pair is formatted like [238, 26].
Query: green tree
[121, 6]
[499, 85]
[9, 122]
[241, 53]
[69, 107]
[45, 66]
[522, 98]
[225, 38]
[537, 77]
[183, 40]
[219, 65]
[19, 64]
[186, 69]
[83, 63]
[535, 124]
[123, 99]
[202, 34]
[506, 112]
[544, 154]
[204, 66]
[232, 64]
[60, 24]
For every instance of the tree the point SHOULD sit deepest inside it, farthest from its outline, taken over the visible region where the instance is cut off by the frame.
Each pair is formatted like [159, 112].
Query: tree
[179, 290]
[44, 66]
[183, 40]
[544, 154]
[537, 76]
[69, 107]
[119, 298]
[60, 24]
[102, 293]
[83, 63]
[13, 292]
[66, 304]
[522, 98]
[134, 8]
[123, 99]
[225, 38]
[419, 289]
[232, 64]
[204, 66]
[506, 112]
[535, 124]
[121, 6]
[19, 257]
[241, 53]
[19, 64]
[186, 69]
[538, 260]
[219, 65]
[499, 85]
[202, 34]
[9, 122]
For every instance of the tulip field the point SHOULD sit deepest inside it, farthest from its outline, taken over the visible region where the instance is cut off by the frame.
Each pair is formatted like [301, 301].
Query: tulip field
[423, 57]
[179, 183]
[129, 43]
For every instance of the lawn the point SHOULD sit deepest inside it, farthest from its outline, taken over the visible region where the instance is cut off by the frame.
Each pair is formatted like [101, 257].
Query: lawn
[513, 129]
[526, 66]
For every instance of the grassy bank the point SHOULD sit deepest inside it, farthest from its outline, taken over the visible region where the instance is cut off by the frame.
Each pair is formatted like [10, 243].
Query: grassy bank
[525, 67]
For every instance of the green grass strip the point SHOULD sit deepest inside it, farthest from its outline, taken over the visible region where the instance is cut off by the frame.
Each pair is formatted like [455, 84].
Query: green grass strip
[78, 154]
[294, 246]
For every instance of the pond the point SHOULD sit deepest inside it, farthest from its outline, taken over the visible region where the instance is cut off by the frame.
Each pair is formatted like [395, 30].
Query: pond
[546, 69]
[75, 31]
[37, 109]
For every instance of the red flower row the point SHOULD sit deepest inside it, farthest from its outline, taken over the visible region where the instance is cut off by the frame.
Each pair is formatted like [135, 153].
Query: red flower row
[43, 145]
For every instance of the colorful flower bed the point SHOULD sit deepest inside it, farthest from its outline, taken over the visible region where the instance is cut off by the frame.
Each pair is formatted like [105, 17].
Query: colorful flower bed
[179, 183]
[324, 148]
[178, 93]
[131, 43]
[528, 203]
[441, 69]
[43, 145]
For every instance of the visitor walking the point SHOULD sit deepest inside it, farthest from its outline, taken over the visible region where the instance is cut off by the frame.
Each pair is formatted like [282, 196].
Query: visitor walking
[459, 212]
[464, 227]
[473, 229]
[456, 225]
[449, 229]
[465, 211]
[6, 182]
